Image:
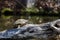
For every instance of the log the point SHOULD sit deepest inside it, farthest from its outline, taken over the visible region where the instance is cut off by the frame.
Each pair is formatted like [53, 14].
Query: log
[29, 31]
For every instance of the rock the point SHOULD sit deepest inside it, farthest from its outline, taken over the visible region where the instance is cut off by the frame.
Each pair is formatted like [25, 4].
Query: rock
[20, 22]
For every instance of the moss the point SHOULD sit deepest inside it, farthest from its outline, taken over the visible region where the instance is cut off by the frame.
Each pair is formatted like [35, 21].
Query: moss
[6, 9]
[30, 10]
[6, 17]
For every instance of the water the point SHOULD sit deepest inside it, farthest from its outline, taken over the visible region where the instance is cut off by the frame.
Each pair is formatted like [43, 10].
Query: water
[36, 19]
[6, 22]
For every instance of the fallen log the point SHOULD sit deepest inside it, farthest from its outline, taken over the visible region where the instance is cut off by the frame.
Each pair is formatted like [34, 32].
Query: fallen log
[28, 31]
